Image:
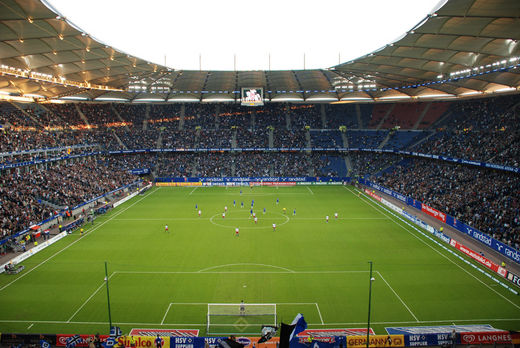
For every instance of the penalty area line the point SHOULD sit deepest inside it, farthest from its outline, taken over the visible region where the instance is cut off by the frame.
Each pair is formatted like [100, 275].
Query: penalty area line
[319, 313]
[166, 313]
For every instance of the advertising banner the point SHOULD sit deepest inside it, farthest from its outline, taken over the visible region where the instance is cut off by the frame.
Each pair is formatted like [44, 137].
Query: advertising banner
[340, 341]
[61, 340]
[254, 179]
[389, 192]
[373, 195]
[477, 257]
[273, 183]
[477, 338]
[195, 342]
[433, 212]
[391, 206]
[330, 335]
[182, 184]
[375, 341]
[513, 278]
[414, 203]
[164, 332]
[427, 340]
[26, 339]
[488, 240]
[502, 248]
[140, 171]
[145, 341]
[213, 342]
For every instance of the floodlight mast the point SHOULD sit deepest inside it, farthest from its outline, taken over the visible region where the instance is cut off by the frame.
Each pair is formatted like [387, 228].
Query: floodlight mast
[108, 298]
[369, 303]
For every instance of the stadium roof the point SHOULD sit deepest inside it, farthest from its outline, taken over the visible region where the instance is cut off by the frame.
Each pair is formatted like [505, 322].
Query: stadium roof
[464, 48]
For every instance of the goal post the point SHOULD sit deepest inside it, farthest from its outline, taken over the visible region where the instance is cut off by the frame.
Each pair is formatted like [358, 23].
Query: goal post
[239, 318]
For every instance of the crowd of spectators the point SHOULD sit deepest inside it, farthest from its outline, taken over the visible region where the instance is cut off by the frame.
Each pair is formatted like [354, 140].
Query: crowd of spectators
[305, 116]
[132, 113]
[252, 164]
[326, 139]
[99, 114]
[371, 163]
[23, 194]
[341, 115]
[369, 139]
[175, 139]
[252, 138]
[485, 130]
[66, 115]
[138, 138]
[486, 199]
[289, 138]
[16, 118]
[176, 165]
[214, 138]
[126, 162]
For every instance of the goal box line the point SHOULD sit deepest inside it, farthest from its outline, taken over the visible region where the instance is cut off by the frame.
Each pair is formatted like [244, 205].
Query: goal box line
[245, 304]
[237, 317]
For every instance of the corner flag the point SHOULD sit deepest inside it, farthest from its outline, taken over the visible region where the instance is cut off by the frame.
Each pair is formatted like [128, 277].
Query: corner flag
[288, 333]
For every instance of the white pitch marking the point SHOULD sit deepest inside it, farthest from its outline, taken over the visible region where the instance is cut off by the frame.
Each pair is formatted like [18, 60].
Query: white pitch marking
[193, 191]
[364, 199]
[71, 244]
[319, 312]
[201, 324]
[162, 321]
[228, 218]
[88, 299]
[30, 326]
[246, 264]
[308, 188]
[240, 272]
[400, 299]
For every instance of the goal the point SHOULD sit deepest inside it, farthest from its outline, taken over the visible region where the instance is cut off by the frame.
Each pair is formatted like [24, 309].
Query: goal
[239, 318]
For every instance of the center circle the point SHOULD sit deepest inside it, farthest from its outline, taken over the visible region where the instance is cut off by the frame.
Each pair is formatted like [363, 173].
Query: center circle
[247, 222]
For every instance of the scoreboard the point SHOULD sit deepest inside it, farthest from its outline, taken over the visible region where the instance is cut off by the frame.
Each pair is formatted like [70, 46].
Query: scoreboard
[252, 96]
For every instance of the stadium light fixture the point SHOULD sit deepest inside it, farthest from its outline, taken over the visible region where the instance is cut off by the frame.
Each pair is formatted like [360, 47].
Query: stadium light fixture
[395, 97]
[436, 96]
[471, 93]
[73, 98]
[356, 98]
[507, 89]
[111, 99]
[108, 298]
[371, 279]
[183, 100]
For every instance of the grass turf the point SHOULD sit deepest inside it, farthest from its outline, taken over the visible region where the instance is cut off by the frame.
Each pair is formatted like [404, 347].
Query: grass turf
[165, 280]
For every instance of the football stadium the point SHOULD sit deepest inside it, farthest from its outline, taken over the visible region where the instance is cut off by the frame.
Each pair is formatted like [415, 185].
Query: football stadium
[373, 203]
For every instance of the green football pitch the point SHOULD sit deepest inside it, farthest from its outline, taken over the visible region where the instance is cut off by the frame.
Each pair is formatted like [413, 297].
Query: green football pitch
[160, 279]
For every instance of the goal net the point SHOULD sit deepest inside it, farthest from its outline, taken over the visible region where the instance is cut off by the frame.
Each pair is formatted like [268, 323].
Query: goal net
[239, 318]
